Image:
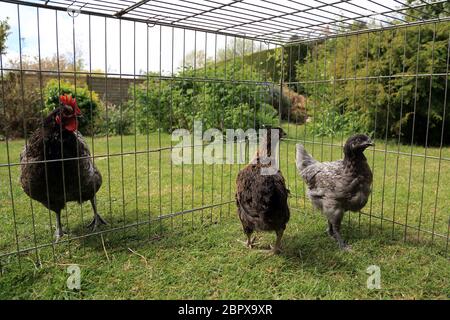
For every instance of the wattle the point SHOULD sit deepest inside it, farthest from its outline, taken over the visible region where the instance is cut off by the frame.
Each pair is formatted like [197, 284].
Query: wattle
[71, 125]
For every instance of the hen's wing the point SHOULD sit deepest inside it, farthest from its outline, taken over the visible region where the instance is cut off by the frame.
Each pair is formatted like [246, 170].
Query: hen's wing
[89, 165]
[328, 179]
[262, 199]
[90, 177]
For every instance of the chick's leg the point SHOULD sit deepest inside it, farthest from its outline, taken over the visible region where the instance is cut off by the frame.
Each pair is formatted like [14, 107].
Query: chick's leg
[98, 220]
[59, 231]
[329, 230]
[250, 241]
[277, 248]
[340, 241]
[336, 227]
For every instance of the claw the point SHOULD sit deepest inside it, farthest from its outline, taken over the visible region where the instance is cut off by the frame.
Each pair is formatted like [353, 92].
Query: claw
[272, 250]
[346, 247]
[58, 235]
[250, 243]
[96, 222]
[245, 243]
[275, 249]
[329, 232]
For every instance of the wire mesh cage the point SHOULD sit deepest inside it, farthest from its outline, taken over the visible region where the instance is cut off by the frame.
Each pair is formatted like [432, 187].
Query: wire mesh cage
[140, 70]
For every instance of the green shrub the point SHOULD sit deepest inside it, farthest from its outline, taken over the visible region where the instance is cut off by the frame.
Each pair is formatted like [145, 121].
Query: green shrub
[87, 100]
[115, 121]
[19, 109]
[177, 103]
[4, 32]
[165, 105]
[331, 123]
[378, 90]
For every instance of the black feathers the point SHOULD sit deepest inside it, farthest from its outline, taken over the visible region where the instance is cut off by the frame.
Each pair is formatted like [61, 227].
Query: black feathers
[55, 183]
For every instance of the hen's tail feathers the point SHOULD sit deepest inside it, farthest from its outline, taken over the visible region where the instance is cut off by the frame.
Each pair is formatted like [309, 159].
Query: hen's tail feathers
[303, 159]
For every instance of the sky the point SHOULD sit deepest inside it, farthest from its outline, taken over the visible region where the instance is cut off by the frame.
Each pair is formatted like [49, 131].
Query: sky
[134, 41]
[126, 54]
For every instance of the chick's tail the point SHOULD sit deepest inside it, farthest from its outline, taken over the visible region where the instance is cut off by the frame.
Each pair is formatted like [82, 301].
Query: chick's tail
[303, 159]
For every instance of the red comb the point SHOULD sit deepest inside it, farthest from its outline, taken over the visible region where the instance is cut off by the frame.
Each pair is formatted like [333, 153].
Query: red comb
[69, 101]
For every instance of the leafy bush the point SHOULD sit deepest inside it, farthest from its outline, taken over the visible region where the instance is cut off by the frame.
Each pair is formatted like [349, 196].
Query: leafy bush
[20, 110]
[366, 98]
[165, 105]
[330, 123]
[177, 103]
[4, 32]
[115, 121]
[88, 102]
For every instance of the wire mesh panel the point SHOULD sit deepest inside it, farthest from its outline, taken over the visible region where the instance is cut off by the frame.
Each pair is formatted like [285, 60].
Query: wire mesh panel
[274, 21]
[149, 75]
[149, 80]
[399, 79]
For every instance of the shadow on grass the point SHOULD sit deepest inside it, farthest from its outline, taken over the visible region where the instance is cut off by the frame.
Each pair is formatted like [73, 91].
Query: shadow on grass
[305, 244]
[121, 231]
[312, 248]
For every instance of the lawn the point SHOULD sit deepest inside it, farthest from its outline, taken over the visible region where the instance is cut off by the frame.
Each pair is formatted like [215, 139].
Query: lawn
[153, 251]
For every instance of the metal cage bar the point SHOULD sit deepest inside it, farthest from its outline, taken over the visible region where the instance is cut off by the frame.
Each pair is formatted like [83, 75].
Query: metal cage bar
[263, 53]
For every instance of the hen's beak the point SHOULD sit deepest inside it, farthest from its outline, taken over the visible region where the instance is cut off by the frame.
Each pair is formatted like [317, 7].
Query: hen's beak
[369, 143]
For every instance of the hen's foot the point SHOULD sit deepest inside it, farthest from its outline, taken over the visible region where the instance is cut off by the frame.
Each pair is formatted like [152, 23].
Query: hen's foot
[245, 243]
[329, 232]
[250, 243]
[275, 249]
[96, 222]
[341, 242]
[346, 247]
[58, 235]
[271, 250]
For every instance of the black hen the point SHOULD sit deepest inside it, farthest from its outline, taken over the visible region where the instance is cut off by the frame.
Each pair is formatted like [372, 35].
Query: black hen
[56, 182]
[262, 198]
[339, 186]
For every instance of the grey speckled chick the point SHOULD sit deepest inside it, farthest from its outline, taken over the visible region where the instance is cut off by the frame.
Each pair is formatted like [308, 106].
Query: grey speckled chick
[338, 186]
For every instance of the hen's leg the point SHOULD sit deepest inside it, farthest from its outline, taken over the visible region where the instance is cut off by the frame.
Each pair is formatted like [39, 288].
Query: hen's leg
[98, 220]
[340, 241]
[329, 230]
[336, 225]
[250, 242]
[59, 231]
[277, 248]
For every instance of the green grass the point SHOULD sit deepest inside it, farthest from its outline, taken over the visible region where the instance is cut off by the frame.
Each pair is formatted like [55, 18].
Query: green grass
[197, 255]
